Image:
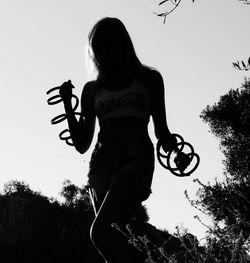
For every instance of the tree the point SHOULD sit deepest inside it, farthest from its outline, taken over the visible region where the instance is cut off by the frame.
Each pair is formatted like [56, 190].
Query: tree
[227, 202]
[34, 228]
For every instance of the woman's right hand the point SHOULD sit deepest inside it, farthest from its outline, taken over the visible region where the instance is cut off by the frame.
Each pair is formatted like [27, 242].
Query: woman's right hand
[66, 91]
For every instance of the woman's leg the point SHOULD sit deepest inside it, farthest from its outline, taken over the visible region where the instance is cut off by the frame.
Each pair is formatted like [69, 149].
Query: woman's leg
[119, 203]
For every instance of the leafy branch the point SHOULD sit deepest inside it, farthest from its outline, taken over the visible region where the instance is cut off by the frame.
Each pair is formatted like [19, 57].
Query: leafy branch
[246, 2]
[242, 65]
[173, 4]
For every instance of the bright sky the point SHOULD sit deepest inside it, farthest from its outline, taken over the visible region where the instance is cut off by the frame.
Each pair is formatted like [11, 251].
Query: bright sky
[42, 45]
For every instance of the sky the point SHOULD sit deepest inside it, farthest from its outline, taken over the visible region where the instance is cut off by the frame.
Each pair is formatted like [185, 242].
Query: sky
[43, 44]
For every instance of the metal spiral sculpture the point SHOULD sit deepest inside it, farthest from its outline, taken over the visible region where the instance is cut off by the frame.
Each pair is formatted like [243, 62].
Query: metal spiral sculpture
[55, 100]
[181, 161]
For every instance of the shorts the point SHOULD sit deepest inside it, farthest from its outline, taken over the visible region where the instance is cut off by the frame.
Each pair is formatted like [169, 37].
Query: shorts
[111, 162]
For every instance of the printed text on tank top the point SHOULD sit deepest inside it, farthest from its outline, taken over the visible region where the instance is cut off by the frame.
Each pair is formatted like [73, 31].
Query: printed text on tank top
[132, 101]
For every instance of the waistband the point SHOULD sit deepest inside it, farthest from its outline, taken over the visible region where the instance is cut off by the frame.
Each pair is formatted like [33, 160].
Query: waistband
[123, 121]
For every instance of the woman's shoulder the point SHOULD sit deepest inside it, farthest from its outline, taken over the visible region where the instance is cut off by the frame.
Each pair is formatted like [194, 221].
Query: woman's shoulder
[90, 85]
[152, 77]
[151, 74]
[88, 91]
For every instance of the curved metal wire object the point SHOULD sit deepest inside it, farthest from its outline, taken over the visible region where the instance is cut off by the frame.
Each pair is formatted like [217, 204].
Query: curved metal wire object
[59, 118]
[180, 164]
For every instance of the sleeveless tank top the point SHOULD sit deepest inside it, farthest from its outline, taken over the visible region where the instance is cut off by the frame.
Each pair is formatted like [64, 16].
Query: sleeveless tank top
[130, 102]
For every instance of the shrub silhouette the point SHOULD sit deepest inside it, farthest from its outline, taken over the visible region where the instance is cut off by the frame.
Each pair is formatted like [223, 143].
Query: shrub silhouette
[37, 229]
[34, 228]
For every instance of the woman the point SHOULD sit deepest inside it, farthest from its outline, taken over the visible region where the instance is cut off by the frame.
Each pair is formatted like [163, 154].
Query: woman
[123, 97]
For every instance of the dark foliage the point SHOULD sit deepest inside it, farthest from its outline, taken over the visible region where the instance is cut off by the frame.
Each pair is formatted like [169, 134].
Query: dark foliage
[243, 65]
[34, 228]
[227, 202]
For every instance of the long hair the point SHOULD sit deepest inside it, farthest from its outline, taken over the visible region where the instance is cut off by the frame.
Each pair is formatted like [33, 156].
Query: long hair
[111, 49]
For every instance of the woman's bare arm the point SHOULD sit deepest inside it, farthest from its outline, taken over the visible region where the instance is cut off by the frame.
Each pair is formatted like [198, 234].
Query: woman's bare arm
[88, 112]
[81, 131]
[158, 109]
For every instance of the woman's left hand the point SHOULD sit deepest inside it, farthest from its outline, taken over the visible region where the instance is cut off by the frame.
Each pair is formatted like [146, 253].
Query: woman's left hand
[169, 142]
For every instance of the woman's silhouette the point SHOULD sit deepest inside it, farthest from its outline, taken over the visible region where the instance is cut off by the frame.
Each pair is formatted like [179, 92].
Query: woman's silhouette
[123, 97]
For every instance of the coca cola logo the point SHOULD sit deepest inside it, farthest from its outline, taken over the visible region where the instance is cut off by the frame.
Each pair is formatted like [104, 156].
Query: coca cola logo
[132, 99]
